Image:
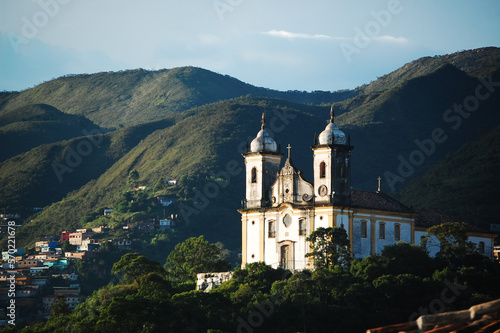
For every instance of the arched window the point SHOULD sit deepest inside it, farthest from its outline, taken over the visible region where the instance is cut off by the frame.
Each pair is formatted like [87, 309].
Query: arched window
[322, 170]
[397, 232]
[302, 227]
[381, 230]
[254, 175]
[271, 229]
[481, 247]
[364, 229]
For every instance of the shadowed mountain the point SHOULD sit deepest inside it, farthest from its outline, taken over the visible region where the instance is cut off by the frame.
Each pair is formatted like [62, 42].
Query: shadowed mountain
[466, 183]
[30, 126]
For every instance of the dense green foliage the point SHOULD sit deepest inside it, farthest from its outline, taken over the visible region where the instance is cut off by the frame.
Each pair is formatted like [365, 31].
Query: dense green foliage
[398, 285]
[193, 256]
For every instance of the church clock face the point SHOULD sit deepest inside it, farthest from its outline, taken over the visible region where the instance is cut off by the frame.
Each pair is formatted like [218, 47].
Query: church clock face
[322, 190]
[287, 220]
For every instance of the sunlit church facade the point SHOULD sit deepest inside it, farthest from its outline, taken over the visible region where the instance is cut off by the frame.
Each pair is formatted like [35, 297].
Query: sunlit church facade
[281, 208]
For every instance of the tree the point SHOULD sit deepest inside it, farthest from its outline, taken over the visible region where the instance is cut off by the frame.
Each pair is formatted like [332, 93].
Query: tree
[133, 176]
[59, 308]
[397, 255]
[330, 246]
[134, 265]
[453, 242]
[67, 247]
[195, 255]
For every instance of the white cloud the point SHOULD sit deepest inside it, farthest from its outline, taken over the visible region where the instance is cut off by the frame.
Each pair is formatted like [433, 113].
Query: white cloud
[390, 39]
[293, 35]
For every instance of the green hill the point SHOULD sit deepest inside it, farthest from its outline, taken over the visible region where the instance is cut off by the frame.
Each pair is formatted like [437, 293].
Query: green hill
[476, 63]
[116, 99]
[47, 173]
[32, 125]
[390, 127]
[202, 146]
[466, 183]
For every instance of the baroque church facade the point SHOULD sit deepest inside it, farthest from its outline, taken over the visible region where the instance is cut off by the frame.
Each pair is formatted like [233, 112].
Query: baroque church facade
[281, 208]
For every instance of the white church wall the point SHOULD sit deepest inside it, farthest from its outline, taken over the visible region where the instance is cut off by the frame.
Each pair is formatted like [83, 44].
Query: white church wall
[321, 221]
[253, 236]
[271, 254]
[361, 246]
[389, 236]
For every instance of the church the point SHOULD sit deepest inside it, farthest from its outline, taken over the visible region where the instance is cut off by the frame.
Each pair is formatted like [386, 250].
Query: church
[281, 208]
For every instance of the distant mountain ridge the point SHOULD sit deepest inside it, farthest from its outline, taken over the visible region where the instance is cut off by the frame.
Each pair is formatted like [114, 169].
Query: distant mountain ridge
[476, 63]
[117, 99]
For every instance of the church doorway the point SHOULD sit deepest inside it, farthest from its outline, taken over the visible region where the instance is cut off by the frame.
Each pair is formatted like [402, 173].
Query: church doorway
[286, 257]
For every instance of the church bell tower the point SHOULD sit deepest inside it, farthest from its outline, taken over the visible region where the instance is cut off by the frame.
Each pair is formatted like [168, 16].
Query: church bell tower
[262, 163]
[332, 166]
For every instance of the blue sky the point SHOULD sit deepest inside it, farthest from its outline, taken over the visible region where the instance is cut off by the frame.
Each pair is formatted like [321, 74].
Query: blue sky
[278, 44]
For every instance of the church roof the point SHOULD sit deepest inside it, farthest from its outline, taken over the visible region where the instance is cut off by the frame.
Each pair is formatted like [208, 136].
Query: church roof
[427, 219]
[424, 218]
[377, 200]
[332, 134]
[263, 143]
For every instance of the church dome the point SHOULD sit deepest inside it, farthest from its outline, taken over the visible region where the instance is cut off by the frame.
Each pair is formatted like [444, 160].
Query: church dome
[332, 134]
[263, 143]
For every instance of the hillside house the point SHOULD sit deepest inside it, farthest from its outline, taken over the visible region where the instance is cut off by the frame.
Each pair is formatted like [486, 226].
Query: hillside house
[76, 238]
[88, 245]
[26, 263]
[166, 224]
[65, 236]
[76, 255]
[165, 200]
[101, 229]
[123, 244]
